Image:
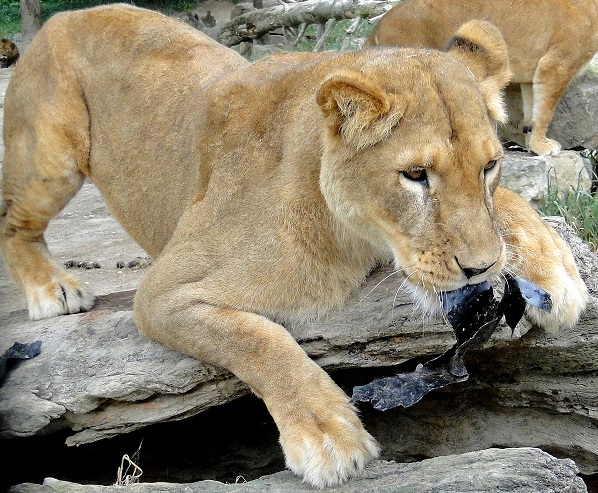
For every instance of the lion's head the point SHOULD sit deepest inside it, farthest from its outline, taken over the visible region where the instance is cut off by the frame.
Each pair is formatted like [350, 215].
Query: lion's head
[418, 172]
[9, 53]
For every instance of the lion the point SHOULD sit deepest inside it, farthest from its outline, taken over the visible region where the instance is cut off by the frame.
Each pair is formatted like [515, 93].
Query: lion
[267, 192]
[548, 43]
[9, 53]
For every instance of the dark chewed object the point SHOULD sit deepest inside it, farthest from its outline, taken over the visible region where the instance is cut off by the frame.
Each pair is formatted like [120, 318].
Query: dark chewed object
[474, 314]
[16, 352]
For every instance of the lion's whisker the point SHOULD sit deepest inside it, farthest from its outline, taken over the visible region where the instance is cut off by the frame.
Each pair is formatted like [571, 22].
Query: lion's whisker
[378, 284]
[398, 291]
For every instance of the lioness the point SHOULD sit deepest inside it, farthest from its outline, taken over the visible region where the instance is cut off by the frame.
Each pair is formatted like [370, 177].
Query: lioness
[267, 192]
[9, 53]
[549, 42]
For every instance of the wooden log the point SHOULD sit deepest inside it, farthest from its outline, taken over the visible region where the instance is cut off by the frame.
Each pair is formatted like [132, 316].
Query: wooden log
[256, 23]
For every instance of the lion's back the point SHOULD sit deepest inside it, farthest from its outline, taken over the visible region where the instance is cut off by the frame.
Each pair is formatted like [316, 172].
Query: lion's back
[114, 85]
[530, 28]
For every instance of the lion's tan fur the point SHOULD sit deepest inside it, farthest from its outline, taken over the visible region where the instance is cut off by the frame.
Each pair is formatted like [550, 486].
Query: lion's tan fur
[267, 192]
[549, 42]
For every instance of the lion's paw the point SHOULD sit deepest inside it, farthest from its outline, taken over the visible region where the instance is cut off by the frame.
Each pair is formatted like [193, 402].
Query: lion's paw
[64, 294]
[545, 259]
[328, 450]
[569, 297]
[543, 146]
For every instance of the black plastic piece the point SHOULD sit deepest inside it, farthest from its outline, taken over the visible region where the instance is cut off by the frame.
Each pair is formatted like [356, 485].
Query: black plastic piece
[18, 351]
[474, 314]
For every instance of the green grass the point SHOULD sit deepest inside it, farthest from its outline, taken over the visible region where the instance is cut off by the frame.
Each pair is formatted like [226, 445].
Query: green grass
[578, 206]
[10, 17]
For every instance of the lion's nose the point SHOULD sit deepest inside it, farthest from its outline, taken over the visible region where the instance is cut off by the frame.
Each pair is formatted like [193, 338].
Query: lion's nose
[474, 271]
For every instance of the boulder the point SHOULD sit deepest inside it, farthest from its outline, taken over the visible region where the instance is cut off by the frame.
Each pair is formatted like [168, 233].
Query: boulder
[531, 176]
[525, 174]
[569, 170]
[524, 470]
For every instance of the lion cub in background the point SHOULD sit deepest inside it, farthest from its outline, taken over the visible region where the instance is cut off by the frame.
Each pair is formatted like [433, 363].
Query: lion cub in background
[549, 42]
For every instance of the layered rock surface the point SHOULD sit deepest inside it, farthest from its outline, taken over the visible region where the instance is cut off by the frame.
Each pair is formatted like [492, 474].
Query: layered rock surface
[488, 471]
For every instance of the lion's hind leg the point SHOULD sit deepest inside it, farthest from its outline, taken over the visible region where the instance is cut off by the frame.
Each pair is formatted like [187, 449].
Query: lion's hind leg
[41, 174]
[553, 74]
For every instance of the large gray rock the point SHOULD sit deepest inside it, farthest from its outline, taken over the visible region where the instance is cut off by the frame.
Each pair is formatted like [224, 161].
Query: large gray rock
[524, 470]
[98, 376]
[531, 176]
[525, 174]
[575, 123]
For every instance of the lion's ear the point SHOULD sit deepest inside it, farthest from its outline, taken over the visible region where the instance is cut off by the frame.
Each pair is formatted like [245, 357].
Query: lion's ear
[480, 46]
[357, 109]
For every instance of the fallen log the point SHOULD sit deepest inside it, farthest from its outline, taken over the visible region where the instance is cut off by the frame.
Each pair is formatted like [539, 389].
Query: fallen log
[256, 23]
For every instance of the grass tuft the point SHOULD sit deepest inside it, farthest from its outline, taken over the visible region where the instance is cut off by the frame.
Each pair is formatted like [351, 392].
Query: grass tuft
[579, 207]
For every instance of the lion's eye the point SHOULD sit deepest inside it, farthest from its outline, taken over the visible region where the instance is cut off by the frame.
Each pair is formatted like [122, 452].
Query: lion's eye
[490, 165]
[415, 174]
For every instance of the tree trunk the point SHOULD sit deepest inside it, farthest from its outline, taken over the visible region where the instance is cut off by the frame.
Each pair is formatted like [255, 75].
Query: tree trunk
[31, 20]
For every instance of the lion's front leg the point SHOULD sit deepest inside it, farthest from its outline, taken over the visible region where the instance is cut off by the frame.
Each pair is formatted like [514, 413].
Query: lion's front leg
[536, 252]
[322, 438]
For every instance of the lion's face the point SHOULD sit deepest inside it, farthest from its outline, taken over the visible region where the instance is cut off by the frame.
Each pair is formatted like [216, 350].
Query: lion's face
[8, 53]
[412, 162]
[431, 201]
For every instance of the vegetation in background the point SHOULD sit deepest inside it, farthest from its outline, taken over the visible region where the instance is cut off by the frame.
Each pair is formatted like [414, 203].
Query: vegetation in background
[10, 17]
[578, 206]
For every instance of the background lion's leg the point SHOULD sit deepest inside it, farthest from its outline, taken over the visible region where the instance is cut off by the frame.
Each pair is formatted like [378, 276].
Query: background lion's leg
[40, 175]
[551, 79]
[322, 438]
[527, 97]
